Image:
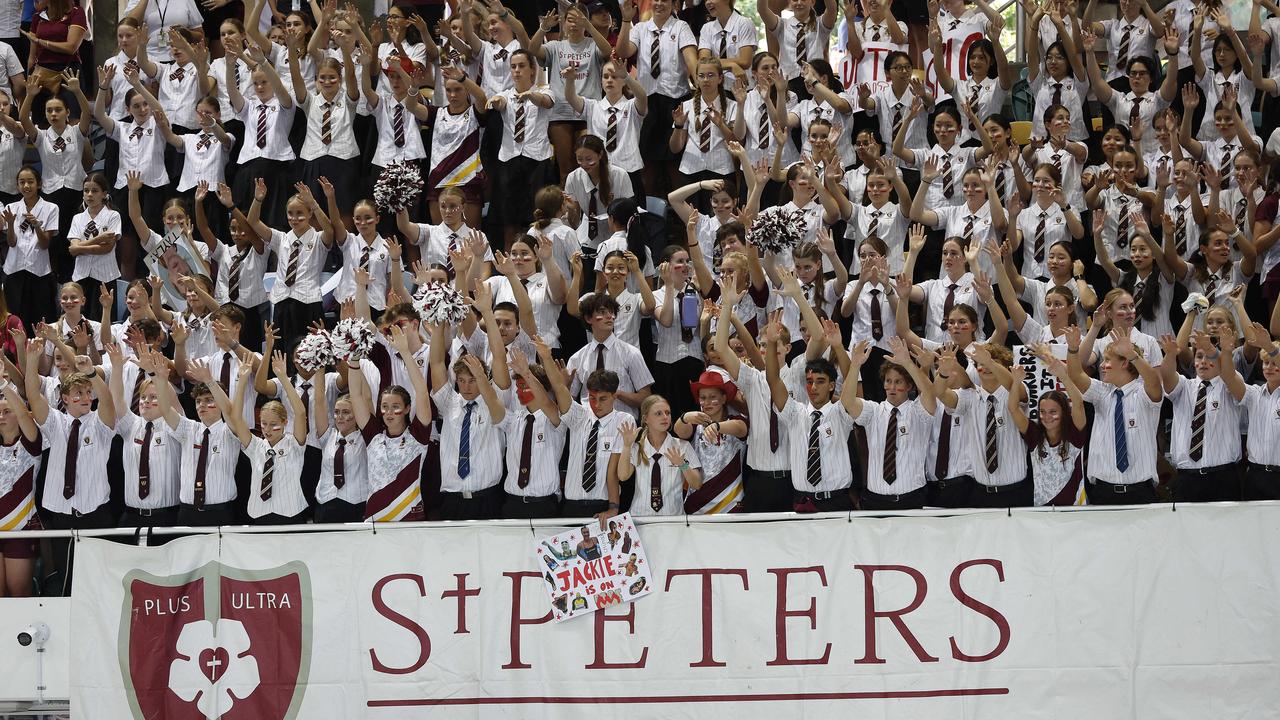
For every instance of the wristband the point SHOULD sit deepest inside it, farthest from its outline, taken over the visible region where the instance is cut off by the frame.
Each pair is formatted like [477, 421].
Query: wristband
[614, 506]
[684, 466]
[1214, 357]
[1274, 353]
[1073, 351]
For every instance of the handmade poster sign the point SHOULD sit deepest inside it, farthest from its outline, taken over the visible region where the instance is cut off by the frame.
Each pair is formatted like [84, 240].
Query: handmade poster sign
[1038, 379]
[590, 568]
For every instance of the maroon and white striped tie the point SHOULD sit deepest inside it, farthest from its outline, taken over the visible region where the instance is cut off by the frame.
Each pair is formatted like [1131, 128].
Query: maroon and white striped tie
[262, 126]
[397, 125]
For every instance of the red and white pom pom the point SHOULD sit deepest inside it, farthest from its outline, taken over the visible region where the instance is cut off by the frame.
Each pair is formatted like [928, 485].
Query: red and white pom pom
[315, 351]
[397, 187]
[776, 230]
[440, 304]
[352, 339]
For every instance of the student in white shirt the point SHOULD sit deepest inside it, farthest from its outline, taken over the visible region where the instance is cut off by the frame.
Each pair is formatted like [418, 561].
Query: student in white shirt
[527, 276]
[1047, 221]
[276, 457]
[329, 149]
[591, 481]
[591, 188]
[1059, 80]
[343, 486]
[240, 265]
[1138, 107]
[1212, 271]
[615, 118]
[874, 216]
[92, 240]
[620, 268]
[983, 87]
[504, 35]
[950, 160]
[142, 151]
[524, 153]
[1229, 80]
[364, 250]
[1126, 399]
[1055, 440]
[176, 251]
[30, 224]
[661, 464]
[765, 108]
[300, 255]
[666, 56]
[1150, 281]
[728, 36]
[1064, 154]
[1262, 403]
[871, 303]
[437, 243]
[702, 127]
[605, 351]
[898, 429]
[1117, 313]
[891, 103]
[801, 38]
[266, 155]
[535, 439]
[150, 460]
[979, 216]
[1204, 445]
[825, 104]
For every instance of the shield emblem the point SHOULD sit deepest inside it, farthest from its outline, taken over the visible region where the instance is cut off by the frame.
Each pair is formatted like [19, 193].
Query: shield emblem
[217, 642]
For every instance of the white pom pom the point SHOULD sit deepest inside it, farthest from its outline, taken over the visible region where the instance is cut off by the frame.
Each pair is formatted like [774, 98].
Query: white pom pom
[315, 351]
[440, 304]
[1194, 301]
[397, 187]
[352, 339]
[776, 229]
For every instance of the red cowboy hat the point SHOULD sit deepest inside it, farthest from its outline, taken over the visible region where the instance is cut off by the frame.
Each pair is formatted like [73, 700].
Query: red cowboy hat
[714, 380]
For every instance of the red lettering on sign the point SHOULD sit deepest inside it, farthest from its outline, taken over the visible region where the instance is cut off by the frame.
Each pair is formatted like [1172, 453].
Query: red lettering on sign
[895, 616]
[708, 654]
[601, 617]
[424, 640]
[782, 613]
[517, 620]
[1001, 623]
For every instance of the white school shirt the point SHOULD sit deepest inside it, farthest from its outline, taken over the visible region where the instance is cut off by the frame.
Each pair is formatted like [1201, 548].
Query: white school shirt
[1221, 445]
[435, 242]
[537, 144]
[1116, 204]
[989, 100]
[310, 259]
[672, 38]
[546, 313]
[1212, 85]
[1141, 421]
[959, 33]
[27, 255]
[64, 331]
[1142, 43]
[486, 443]
[935, 293]
[120, 84]
[355, 486]
[759, 139]
[1034, 292]
[162, 462]
[626, 154]
[915, 431]
[1055, 230]
[1263, 408]
[579, 420]
[1237, 205]
[215, 361]
[961, 160]
[141, 149]
[1150, 346]
[1011, 465]
[545, 444]
[876, 46]
[99, 267]
[495, 66]
[1071, 93]
[788, 31]
[306, 389]
[754, 387]
[61, 156]
[670, 477]
[1149, 106]
[810, 110]
[581, 187]
[342, 113]
[861, 328]
[834, 424]
[205, 158]
[954, 220]
[91, 487]
[718, 159]
[626, 324]
[253, 266]
[377, 262]
[12, 152]
[277, 120]
[222, 455]
[179, 94]
[218, 71]
[1161, 324]
[623, 359]
[618, 242]
[1224, 279]
[1217, 149]
[586, 57]
[1177, 208]
[1070, 167]
[726, 39]
[564, 243]
[306, 67]
[286, 498]
[887, 105]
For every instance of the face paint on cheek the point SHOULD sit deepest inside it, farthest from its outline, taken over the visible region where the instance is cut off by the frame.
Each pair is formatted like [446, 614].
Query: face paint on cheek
[525, 395]
[595, 406]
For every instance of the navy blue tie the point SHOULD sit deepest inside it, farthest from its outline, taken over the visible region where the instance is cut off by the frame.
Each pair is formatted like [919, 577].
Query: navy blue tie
[1122, 442]
[464, 443]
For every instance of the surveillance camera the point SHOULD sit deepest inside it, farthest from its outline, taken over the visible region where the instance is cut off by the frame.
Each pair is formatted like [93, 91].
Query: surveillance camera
[37, 633]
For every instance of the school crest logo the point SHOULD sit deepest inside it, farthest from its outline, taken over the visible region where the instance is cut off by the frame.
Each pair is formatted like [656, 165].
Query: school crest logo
[217, 642]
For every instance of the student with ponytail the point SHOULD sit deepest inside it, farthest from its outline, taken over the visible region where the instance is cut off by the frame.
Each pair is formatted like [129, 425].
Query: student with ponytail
[661, 463]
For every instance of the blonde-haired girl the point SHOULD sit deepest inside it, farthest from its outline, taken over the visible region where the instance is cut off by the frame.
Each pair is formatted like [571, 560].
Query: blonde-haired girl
[663, 464]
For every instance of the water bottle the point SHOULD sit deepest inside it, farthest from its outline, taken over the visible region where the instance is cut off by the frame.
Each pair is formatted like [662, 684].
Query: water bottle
[689, 313]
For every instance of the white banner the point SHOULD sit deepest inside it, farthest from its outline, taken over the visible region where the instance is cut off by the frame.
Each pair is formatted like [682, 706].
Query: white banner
[1104, 614]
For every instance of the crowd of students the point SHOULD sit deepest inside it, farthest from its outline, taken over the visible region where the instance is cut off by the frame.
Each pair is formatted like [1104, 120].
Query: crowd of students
[593, 190]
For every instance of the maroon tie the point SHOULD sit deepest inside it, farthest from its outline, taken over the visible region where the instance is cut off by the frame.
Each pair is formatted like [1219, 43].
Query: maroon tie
[600, 356]
[526, 452]
[340, 465]
[877, 324]
[202, 465]
[655, 484]
[69, 466]
[144, 463]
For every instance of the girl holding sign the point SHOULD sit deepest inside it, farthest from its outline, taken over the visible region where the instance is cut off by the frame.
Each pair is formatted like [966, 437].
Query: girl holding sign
[1056, 437]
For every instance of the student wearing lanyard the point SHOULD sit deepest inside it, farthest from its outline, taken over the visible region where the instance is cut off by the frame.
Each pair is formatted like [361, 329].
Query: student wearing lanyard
[1126, 400]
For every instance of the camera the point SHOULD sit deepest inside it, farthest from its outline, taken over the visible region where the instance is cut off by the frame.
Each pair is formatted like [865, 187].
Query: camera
[35, 633]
